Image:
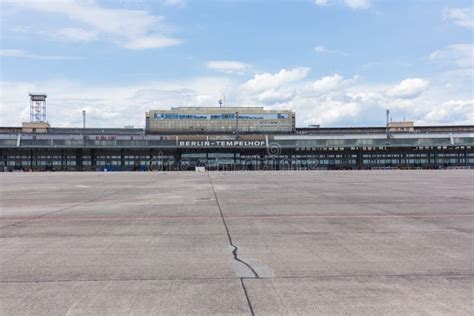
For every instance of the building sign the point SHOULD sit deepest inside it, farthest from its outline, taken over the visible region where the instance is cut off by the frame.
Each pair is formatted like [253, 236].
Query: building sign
[221, 143]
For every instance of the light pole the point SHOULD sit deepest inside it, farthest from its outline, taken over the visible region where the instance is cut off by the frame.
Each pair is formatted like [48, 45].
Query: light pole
[237, 122]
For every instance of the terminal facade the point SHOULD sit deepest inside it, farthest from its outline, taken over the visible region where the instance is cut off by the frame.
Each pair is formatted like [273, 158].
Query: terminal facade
[243, 120]
[174, 142]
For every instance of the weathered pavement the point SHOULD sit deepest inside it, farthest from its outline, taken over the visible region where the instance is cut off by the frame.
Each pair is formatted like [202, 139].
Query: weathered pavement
[358, 242]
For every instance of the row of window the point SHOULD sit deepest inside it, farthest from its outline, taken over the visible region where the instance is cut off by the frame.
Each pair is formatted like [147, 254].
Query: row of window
[221, 116]
[314, 161]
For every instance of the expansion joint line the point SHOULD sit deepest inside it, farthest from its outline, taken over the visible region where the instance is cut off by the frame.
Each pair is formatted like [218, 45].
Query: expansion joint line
[235, 248]
[68, 207]
[57, 211]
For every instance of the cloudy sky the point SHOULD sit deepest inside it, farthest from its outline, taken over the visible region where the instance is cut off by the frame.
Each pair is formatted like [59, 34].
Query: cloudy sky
[335, 62]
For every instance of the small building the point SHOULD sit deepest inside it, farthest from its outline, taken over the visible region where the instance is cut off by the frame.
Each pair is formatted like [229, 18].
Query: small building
[405, 126]
[35, 127]
[226, 120]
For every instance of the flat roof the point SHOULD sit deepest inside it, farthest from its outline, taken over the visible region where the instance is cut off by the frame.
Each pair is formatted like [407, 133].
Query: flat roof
[298, 130]
[217, 107]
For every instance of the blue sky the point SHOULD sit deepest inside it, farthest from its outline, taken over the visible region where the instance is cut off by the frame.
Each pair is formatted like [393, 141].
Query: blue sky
[335, 62]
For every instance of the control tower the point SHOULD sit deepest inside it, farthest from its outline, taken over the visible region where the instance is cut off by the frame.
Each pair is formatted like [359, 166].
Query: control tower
[38, 107]
[38, 122]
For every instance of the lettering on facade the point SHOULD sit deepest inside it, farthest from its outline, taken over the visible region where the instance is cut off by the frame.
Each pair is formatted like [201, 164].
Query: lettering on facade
[222, 143]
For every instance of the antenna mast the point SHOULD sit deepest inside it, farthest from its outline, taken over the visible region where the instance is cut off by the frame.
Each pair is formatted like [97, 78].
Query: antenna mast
[387, 126]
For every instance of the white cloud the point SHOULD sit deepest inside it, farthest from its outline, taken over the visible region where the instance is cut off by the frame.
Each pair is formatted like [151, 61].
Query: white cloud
[106, 105]
[327, 83]
[321, 49]
[353, 4]
[408, 88]
[459, 111]
[272, 81]
[133, 29]
[76, 34]
[176, 3]
[330, 100]
[460, 54]
[150, 42]
[18, 53]
[320, 2]
[335, 101]
[463, 17]
[358, 4]
[275, 96]
[228, 66]
[335, 110]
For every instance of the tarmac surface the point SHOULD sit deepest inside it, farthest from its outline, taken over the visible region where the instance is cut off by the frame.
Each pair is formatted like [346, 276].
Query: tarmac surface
[237, 243]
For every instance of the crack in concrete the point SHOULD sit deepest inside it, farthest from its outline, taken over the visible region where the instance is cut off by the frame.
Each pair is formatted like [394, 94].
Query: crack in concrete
[247, 297]
[235, 249]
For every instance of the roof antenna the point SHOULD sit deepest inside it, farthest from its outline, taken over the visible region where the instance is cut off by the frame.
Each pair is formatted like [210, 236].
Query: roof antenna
[222, 99]
[220, 103]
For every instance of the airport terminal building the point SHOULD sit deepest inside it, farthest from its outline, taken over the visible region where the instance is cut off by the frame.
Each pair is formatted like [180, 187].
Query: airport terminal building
[234, 138]
[217, 120]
